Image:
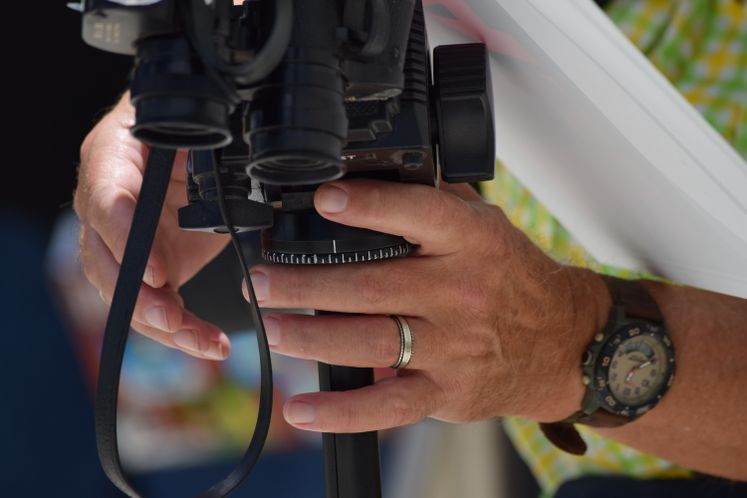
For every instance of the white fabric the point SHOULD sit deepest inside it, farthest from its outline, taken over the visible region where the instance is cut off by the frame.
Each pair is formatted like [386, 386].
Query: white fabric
[605, 142]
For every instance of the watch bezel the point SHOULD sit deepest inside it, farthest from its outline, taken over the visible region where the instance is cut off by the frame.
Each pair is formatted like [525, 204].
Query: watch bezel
[603, 362]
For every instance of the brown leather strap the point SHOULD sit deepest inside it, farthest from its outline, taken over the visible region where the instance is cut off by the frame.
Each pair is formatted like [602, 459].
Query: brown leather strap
[634, 298]
[565, 436]
[637, 303]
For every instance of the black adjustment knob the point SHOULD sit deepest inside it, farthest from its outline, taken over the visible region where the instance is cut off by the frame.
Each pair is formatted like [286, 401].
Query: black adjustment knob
[464, 110]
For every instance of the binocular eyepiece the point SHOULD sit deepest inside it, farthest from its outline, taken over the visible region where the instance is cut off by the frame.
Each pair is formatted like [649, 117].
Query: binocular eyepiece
[177, 103]
[296, 125]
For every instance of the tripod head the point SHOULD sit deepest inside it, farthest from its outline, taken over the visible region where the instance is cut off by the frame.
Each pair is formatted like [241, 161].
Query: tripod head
[287, 94]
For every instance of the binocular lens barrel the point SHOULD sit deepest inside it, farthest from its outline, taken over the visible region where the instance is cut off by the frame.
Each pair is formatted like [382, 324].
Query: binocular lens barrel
[176, 103]
[297, 125]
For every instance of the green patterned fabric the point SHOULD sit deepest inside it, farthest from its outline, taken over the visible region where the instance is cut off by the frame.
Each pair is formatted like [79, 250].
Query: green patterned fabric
[701, 47]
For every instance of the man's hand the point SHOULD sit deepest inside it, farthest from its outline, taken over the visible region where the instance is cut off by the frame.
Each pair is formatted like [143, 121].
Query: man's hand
[498, 326]
[111, 172]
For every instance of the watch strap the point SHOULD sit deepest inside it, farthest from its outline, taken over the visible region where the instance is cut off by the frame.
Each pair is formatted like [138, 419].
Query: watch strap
[564, 435]
[634, 298]
[636, 302]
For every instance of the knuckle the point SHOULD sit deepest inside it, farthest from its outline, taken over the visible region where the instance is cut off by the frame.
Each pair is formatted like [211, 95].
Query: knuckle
[495, 225]
[478, 347]
[457, 217]
[401, 409]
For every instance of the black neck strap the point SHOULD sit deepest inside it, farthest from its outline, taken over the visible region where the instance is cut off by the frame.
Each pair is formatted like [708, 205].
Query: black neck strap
[139, 242]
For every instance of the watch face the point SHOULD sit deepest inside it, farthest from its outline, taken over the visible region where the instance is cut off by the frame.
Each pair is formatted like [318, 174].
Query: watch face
[638, 370]
[634, 368]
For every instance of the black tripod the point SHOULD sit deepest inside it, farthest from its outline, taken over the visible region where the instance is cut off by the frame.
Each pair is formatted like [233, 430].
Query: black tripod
[351, 461]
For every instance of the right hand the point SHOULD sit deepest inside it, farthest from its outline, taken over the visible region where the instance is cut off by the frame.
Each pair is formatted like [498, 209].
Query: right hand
[109, 179]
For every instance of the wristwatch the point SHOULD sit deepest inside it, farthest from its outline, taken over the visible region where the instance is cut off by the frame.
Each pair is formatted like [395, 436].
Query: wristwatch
[627, 368]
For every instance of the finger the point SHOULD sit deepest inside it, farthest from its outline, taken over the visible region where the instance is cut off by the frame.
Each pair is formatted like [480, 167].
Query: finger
[382, 287]
[392, 402]
[159, 308]
[111, 217]
[110, 212]
[110, 176]
[157, 311]
[346, 340]
[462, 190]
[421, 214]
[109, 208]
[197, 339]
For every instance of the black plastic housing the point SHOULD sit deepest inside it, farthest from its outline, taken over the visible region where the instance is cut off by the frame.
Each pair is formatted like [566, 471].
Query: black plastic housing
[114, 27]
[464, 107]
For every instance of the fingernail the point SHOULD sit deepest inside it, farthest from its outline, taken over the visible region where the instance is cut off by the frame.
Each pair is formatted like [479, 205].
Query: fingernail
[261, 285]
[331, 199]
[297, 412]
[149, 277]
[188, 339]
[156, 317]
[216, 350]
[272, 330]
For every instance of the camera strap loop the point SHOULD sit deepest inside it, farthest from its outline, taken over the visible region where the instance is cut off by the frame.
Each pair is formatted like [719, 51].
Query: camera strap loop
[139, 242]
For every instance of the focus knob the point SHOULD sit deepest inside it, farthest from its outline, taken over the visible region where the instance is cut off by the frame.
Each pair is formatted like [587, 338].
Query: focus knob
[464, 110]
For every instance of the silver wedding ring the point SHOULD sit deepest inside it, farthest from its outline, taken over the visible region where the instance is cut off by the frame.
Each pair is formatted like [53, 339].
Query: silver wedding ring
[406, 342]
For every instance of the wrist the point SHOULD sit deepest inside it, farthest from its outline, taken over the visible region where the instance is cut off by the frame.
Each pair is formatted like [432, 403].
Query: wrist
[589, 305]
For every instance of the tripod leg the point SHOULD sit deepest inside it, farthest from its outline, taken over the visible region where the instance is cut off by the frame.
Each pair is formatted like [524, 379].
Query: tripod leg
[351, 461]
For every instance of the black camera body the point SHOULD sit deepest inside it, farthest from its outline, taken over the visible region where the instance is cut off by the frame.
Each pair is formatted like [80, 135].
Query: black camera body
[287, 94]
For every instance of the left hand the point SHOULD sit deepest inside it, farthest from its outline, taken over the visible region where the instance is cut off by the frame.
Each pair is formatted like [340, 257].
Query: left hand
[499, 327]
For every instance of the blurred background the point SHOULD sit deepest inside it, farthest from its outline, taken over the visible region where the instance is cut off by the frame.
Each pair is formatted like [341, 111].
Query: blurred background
[183, 422]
